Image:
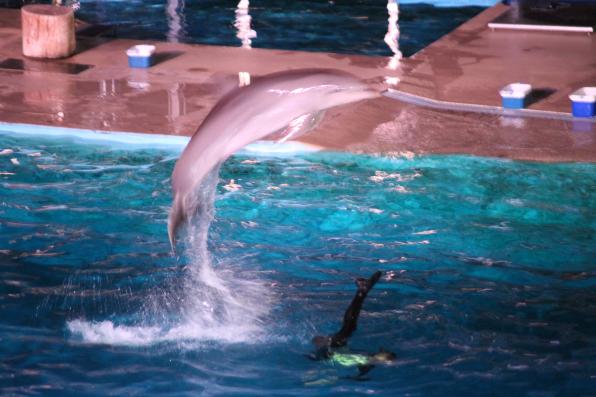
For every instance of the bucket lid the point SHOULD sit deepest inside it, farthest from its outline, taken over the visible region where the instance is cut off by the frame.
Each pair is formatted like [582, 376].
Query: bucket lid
[584, 94]
[141, 50]
[515, 90]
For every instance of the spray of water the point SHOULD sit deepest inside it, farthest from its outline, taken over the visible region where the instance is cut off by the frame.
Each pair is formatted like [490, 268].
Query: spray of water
[218, 299]
[214, 304]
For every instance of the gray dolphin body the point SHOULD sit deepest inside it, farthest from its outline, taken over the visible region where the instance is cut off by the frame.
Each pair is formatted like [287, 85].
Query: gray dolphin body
[268, 105]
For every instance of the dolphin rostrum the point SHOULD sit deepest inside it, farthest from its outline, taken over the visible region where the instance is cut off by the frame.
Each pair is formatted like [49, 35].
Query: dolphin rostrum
[289, 100]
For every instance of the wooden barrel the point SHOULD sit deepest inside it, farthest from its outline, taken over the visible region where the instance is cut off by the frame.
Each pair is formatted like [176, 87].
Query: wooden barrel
[48, 31]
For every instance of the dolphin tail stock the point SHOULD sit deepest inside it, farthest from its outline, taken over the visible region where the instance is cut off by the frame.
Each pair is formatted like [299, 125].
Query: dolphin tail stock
[175, 219]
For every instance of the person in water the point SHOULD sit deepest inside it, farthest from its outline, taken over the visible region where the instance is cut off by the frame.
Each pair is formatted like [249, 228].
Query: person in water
[334, 347]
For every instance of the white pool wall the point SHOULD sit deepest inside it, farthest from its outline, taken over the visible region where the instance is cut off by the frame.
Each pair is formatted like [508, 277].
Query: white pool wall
[141, 140]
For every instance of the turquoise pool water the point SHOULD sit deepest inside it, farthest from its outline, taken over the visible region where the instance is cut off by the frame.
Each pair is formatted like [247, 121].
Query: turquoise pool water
[489, 284]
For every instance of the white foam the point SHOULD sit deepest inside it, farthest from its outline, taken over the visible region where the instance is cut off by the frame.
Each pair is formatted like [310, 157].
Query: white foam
[216, 305]
[106, 332]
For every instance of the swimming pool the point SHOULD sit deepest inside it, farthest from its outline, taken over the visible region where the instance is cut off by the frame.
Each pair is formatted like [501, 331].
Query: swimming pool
[488, 287]
[336, 26]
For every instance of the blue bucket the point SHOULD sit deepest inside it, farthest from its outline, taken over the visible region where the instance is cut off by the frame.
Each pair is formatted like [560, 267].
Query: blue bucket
[140, 56]
[583, 101]
[514, 96]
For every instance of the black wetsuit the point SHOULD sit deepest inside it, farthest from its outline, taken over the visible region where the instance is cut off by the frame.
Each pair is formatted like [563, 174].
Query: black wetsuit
[325, 345]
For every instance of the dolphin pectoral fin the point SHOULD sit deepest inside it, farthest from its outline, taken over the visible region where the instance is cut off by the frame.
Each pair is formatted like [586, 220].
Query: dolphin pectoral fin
[175, 219]
[299, 126]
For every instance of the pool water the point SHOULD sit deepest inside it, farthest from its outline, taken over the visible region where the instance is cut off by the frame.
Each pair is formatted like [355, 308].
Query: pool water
[336, 26]
[488, 287]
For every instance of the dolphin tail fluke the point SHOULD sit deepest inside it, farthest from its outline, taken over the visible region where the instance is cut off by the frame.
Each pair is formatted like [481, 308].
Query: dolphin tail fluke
[175, 219]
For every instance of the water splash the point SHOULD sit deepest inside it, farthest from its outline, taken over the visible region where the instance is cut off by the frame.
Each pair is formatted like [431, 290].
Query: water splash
[217, 298]
[213, 304]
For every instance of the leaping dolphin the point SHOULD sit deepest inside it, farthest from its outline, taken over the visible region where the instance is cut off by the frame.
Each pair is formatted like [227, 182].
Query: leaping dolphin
[287, 100]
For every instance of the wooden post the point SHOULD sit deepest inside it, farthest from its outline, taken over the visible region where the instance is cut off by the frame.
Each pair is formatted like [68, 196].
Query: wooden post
[48, 31]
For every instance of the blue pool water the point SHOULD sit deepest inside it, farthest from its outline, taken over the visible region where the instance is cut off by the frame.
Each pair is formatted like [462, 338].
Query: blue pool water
[356, 26]
[489, 285]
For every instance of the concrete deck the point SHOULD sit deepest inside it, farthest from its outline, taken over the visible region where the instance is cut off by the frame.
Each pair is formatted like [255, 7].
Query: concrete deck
[468, 65]
[472, 63]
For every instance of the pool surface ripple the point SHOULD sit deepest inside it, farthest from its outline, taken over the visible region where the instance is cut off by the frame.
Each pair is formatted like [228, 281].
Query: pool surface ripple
[489, 274]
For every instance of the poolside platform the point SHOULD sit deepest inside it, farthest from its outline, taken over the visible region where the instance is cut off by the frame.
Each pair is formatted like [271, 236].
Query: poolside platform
[95, 89]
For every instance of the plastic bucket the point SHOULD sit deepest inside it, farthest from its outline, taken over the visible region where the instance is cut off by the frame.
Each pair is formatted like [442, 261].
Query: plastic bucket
[140, 56]
[583, 101]
[514, 95]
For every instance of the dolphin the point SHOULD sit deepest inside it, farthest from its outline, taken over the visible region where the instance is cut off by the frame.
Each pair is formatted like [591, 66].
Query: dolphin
[289, 101]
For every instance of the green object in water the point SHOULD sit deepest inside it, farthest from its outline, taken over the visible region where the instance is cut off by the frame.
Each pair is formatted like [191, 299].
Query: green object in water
[349, 360]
